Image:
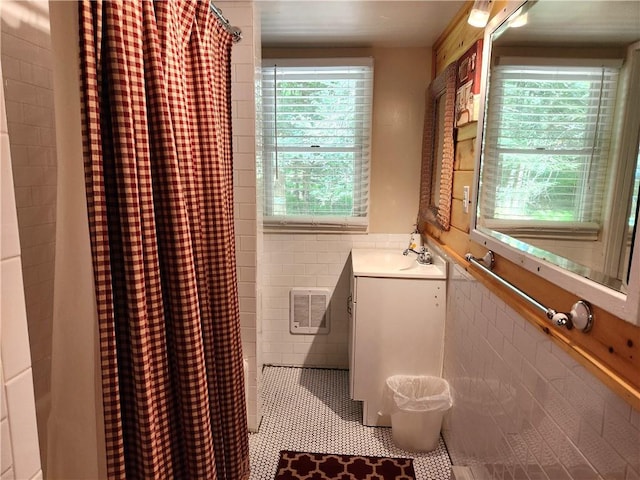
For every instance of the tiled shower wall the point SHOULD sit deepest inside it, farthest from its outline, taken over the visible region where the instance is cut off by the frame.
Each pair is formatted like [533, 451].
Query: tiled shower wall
[244, 59]
[19, 452]
[257, 78]
[27, 64]
[311, 260]
[523, 408]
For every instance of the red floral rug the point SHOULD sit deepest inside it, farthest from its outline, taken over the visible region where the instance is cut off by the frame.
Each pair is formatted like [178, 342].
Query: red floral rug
[323, 466]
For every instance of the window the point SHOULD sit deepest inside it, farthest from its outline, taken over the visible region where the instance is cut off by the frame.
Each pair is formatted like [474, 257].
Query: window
[548, 133]
[317, 136]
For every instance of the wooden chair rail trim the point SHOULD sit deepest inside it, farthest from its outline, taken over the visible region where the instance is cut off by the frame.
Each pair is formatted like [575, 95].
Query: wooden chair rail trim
[622, 383]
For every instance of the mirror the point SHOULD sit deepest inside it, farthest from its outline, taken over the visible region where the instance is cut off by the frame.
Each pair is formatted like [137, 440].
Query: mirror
[559, 176]
[438, 150]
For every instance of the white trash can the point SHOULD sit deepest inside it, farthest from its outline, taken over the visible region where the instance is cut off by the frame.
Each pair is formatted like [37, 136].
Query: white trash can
[417, 405]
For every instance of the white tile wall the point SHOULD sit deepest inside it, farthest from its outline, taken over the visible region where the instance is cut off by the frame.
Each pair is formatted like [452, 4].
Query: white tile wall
[27, 68]
[19, 450]
[22, 425]
[259, 246]
[311, 260]
[523, 408]
[245, 59]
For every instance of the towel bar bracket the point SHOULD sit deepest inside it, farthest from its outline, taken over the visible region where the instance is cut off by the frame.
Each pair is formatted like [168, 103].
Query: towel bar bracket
[580, 316]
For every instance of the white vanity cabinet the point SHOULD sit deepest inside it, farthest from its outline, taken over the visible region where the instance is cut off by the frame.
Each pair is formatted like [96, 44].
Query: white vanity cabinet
[396, 327]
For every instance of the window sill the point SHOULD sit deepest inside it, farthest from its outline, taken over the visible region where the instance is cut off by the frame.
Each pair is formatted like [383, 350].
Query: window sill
[347, 230]
[301, 224]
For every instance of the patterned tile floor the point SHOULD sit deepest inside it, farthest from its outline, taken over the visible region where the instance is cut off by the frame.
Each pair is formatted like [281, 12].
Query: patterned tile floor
[309, 410]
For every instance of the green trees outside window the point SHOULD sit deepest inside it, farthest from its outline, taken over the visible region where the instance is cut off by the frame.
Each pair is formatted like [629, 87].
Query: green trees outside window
[316, 141]
[549, 133]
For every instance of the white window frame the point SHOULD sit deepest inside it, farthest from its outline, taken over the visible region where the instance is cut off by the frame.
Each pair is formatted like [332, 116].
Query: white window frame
[359, 222]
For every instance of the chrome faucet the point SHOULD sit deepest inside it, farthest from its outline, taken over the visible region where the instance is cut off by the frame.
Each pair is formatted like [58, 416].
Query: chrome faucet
[424, 255]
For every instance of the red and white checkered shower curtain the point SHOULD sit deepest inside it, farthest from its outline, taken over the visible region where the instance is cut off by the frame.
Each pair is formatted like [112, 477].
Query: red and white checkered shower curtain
[157, 147]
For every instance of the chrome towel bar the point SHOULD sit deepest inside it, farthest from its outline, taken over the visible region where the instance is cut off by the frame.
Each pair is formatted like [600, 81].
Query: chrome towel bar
[580, 315]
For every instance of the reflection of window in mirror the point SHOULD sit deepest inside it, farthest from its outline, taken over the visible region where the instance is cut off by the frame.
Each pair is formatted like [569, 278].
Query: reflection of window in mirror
[438, 146]
[549, 131]
[555, 174]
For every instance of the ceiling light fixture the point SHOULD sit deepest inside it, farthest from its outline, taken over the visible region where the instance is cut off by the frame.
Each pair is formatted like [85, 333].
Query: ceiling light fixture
[480, 12]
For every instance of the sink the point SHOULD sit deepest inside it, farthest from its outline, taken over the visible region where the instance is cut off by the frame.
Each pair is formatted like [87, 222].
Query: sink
[370, 262]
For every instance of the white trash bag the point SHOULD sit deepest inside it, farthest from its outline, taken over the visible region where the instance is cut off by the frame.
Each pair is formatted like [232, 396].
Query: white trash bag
[416, 393]
[417, 405]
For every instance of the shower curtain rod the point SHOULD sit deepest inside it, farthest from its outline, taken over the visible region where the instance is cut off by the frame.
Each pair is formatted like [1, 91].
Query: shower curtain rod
[235, 31]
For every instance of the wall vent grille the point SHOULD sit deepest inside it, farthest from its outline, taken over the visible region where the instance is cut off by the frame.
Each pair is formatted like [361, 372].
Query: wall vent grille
[308, 311]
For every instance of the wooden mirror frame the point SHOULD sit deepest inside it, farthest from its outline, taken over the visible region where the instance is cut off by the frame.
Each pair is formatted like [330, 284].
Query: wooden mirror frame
[442, 87]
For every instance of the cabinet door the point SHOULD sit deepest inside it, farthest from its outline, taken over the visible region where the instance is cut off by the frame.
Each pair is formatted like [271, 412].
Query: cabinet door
[399, 330]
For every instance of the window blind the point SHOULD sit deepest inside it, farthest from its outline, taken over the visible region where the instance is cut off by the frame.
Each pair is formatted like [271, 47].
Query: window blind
[547, 144]
[316, 142]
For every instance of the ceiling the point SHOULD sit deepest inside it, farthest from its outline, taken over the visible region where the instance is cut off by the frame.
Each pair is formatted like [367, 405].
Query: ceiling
[354, 23]
[563, 22]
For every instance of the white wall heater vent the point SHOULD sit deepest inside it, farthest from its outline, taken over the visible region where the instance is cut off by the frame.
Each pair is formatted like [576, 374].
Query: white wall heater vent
[308, 311]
